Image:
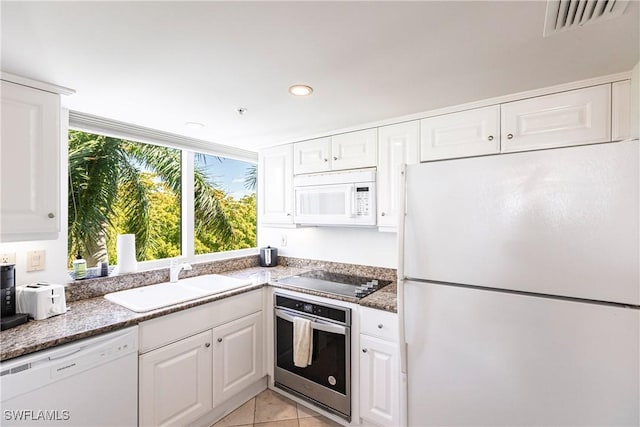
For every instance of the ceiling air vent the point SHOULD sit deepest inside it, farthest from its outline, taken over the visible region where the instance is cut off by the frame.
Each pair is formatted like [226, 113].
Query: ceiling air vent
[564, 15]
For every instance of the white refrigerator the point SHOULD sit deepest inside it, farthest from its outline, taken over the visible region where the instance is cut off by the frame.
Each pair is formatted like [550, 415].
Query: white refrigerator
[521, 291]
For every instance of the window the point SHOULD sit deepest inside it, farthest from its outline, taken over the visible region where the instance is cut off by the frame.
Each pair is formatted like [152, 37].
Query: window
[224, 204]
[119, 186]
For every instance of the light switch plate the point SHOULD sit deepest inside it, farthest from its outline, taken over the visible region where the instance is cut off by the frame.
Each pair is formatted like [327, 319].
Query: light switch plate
[35, 260]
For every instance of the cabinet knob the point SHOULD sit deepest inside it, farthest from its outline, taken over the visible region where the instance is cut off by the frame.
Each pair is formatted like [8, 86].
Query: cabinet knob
[364, 350]
[208, 345]
[335, 158]
[510, 136]
[380, 326]
[490, 138]
[288, 214]
[219, 339]
[51, 215]
[326, 160]
[382, 214]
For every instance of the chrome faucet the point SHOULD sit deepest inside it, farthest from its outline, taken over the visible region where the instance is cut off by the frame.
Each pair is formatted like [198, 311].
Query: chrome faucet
[175, 267]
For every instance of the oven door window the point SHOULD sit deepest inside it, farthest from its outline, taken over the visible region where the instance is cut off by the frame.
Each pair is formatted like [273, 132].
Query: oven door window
[328, 364]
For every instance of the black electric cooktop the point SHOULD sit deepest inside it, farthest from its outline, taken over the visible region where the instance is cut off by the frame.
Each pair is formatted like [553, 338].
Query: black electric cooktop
[336, 283]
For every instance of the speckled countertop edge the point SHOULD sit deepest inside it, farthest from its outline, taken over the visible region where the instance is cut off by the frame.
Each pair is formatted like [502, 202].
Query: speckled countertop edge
[93, 316]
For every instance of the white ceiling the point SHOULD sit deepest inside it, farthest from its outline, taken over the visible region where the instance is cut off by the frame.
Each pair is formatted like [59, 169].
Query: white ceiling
[161, 64]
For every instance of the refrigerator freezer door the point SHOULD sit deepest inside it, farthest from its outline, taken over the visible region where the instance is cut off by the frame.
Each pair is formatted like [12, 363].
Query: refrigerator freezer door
[560, 222]
[484, 357]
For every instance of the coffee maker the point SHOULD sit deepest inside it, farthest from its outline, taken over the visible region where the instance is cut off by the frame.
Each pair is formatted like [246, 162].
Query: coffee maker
[8, 316]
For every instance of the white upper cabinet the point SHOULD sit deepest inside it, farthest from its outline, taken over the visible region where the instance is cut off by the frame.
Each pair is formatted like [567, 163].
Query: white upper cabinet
[354, 149]
[467, 133]
[275, 185]
[30, 164]
[397, 145]
[569, 118]
[621, 114]
[345, 151]
[312, 156]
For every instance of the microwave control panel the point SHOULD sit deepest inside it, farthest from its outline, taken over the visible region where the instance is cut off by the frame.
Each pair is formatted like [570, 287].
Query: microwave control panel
[363, 201]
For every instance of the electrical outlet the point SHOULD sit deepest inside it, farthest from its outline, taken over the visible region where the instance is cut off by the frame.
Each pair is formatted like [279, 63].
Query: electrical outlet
[8, 258]
[283, 240]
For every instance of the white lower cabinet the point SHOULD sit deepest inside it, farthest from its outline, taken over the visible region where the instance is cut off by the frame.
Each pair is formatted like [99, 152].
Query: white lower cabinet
[196, 359]
[237, 356]
[379, 381]
[176, 383]
[379, 368]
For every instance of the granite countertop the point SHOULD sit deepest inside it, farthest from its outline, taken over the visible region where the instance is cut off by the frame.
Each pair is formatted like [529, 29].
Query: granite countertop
[93, 316]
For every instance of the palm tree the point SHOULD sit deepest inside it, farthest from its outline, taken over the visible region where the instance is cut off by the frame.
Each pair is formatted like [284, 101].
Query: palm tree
[105, 171]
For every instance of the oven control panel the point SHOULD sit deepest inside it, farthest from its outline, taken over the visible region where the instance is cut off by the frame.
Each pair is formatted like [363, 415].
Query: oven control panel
[338, 314]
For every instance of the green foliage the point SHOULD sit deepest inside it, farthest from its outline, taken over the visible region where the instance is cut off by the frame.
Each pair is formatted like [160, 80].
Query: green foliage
[118, 187]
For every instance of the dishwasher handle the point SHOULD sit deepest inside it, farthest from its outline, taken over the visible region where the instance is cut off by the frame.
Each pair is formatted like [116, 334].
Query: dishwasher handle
[316, 324]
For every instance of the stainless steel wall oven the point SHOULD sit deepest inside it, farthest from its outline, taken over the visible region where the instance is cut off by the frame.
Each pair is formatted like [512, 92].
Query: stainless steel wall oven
[327, 380]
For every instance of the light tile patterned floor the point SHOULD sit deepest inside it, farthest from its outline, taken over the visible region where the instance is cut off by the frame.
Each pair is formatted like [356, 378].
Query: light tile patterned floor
[270, 409]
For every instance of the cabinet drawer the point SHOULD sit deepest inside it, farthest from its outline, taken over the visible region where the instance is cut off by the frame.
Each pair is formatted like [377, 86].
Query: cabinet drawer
[378, 323]
[173, 327]
[570, 118]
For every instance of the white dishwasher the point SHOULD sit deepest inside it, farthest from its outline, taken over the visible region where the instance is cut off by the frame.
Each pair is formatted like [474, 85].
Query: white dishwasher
[92, 382]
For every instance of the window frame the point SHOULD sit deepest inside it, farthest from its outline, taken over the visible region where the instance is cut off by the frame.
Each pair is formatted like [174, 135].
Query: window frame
[188, 146]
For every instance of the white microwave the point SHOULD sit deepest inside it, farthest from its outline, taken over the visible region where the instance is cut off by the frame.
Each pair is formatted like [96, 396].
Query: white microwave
[346, 198]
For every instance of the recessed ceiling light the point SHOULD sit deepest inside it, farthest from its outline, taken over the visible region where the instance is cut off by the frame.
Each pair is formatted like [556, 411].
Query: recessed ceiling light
[300, 90]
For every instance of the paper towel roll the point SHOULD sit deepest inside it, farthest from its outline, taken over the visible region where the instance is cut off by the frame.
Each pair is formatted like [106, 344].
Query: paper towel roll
[126, 250]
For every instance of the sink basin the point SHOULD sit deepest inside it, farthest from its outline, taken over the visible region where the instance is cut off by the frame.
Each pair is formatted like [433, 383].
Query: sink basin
[152, 297]
[213, 283]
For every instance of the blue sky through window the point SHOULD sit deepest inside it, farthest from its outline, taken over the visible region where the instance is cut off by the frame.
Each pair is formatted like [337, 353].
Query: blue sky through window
[227, 174]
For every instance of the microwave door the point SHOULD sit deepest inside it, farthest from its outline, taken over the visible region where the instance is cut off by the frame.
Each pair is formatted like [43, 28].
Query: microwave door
[325, 204]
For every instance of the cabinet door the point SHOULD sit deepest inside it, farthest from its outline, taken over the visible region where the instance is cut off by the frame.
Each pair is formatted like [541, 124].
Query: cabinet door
[29, 164]
[463, 134]
[379, 381]
[176, 382]
[397, 145]
[354, 149]
[621, 114]
[237, 358]
[275, 185]
[312, 156]
[570, 118]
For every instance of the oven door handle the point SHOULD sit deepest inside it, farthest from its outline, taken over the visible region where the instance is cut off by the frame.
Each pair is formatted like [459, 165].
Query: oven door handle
[315, 323]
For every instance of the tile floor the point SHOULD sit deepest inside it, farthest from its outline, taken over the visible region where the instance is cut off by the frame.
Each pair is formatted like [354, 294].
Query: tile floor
[270, 409]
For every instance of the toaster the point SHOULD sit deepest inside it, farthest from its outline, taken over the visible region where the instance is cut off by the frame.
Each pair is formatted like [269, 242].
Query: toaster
[41, 301]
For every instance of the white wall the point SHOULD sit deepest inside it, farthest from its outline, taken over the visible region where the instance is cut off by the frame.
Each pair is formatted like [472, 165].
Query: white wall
[56, 250]
[339, 244]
